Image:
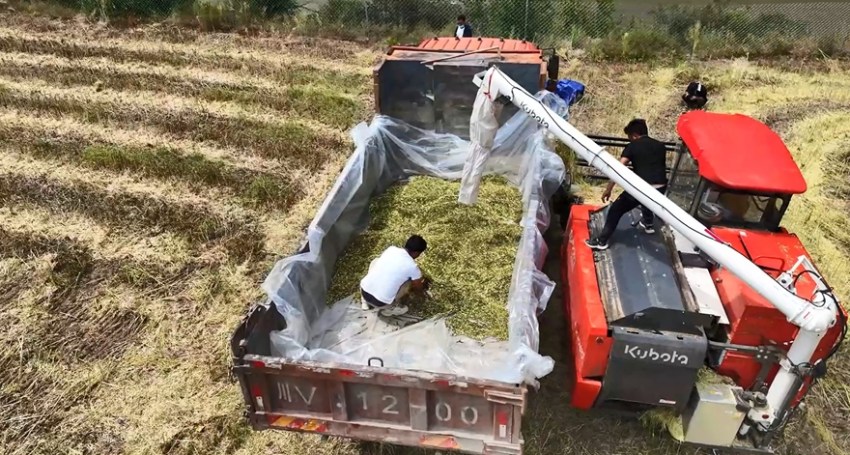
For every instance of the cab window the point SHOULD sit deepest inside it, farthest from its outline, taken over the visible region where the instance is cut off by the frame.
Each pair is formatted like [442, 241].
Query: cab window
[743, 209]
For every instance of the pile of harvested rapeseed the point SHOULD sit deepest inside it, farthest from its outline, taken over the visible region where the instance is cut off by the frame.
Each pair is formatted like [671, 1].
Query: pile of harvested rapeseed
[470, 255]
[667, 419]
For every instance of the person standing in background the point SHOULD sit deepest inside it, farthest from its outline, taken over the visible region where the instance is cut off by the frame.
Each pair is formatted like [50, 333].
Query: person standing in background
[464, 30]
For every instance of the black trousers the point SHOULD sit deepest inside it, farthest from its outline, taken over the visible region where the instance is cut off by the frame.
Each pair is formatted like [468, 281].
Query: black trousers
[372, 300]
[621, 206]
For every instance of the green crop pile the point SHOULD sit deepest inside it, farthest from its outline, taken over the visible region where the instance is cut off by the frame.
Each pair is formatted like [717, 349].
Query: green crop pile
[470, 256]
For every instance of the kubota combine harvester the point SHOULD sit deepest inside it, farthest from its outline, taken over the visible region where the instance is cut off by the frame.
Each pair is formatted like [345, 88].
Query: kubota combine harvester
[721, 286]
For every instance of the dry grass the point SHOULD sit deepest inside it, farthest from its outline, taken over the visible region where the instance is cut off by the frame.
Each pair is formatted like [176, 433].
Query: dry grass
[299, 143]
[136, 207]
[138, 216]
[255, 187]
[323, 103]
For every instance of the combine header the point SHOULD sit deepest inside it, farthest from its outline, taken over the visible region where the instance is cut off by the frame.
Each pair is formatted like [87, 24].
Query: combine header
[723, 286]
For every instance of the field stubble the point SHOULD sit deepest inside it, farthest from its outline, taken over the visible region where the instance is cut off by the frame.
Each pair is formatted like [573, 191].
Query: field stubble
[133, 237]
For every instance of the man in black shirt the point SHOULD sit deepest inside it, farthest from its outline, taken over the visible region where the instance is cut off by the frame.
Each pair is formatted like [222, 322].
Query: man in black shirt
[649, 161]
[463, 30]
[696, 95]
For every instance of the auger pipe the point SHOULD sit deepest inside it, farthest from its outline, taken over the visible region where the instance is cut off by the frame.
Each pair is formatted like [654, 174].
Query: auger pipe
[814, 319]
[798, 310]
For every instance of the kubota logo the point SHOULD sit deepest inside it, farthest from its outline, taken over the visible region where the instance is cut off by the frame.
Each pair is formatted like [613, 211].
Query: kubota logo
[534, 115]
[667, 357]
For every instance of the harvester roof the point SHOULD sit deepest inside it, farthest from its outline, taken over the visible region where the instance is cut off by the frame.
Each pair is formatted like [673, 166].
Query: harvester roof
[740, 153]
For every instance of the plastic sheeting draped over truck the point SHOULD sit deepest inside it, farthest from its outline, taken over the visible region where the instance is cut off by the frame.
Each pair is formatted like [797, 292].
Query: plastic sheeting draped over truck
[388, 151]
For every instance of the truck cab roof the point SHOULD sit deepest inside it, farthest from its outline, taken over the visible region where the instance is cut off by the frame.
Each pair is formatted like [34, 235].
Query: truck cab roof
[740, 153]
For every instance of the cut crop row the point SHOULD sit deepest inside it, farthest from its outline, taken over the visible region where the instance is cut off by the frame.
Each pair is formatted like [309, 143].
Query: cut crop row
[77, 265]
[322, 104]
[38, 396]
[256, 187]
[291, 142]
[138, 136]
[282, 72]
[242, 237]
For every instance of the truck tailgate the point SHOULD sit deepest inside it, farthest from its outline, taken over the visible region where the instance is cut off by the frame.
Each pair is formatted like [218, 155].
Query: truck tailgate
[379, 404]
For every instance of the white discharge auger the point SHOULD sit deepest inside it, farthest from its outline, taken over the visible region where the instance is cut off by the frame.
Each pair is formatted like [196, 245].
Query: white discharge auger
[813, 317]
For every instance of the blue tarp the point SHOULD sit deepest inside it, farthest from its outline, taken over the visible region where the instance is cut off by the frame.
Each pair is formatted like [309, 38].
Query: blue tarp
[570, 91]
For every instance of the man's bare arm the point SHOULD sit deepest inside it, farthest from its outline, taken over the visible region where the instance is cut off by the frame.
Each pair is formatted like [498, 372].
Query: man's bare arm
[608, 189]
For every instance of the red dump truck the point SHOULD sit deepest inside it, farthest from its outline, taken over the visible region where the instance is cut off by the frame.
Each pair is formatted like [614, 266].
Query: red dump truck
[429, 87]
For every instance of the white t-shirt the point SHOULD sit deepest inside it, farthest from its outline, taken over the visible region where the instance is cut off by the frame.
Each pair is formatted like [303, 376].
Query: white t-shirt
[388, 272]
[459, 33]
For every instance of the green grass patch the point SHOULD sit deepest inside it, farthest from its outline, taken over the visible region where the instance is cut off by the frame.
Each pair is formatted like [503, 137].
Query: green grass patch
[323, 104]
[263, 190]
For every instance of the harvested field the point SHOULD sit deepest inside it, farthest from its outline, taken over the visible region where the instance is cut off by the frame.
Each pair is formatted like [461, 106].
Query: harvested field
[150, 178]
[470, 255]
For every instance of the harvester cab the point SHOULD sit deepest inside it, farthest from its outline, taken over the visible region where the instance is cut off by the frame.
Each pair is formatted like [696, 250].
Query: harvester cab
[720, 316]
[743, 178]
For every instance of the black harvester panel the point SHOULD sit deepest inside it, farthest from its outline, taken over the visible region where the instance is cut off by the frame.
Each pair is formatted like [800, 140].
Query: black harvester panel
[654, 368]
[642, 281]
[659, 342]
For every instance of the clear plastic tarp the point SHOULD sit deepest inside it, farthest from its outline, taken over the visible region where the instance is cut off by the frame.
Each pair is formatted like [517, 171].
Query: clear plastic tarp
[388, 151]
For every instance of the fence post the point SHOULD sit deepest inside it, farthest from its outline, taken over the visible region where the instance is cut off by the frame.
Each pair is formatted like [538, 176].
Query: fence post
[525, 28]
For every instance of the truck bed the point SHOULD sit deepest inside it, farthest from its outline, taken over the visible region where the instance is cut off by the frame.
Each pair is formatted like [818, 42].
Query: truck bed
[461, 395]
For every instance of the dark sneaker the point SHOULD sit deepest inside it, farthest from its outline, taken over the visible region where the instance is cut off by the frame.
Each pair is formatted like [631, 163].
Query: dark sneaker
[595, 244]
[648, 228]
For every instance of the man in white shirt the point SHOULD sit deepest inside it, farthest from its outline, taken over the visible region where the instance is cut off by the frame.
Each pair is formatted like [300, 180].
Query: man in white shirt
[392, 275]
[464, 30]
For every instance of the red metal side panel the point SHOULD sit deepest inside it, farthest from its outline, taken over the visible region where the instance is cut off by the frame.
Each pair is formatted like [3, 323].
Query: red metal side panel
[591, 345]
[753, 320]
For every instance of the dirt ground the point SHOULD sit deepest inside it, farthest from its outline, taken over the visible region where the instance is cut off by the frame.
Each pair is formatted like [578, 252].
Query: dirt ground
[149, 179]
